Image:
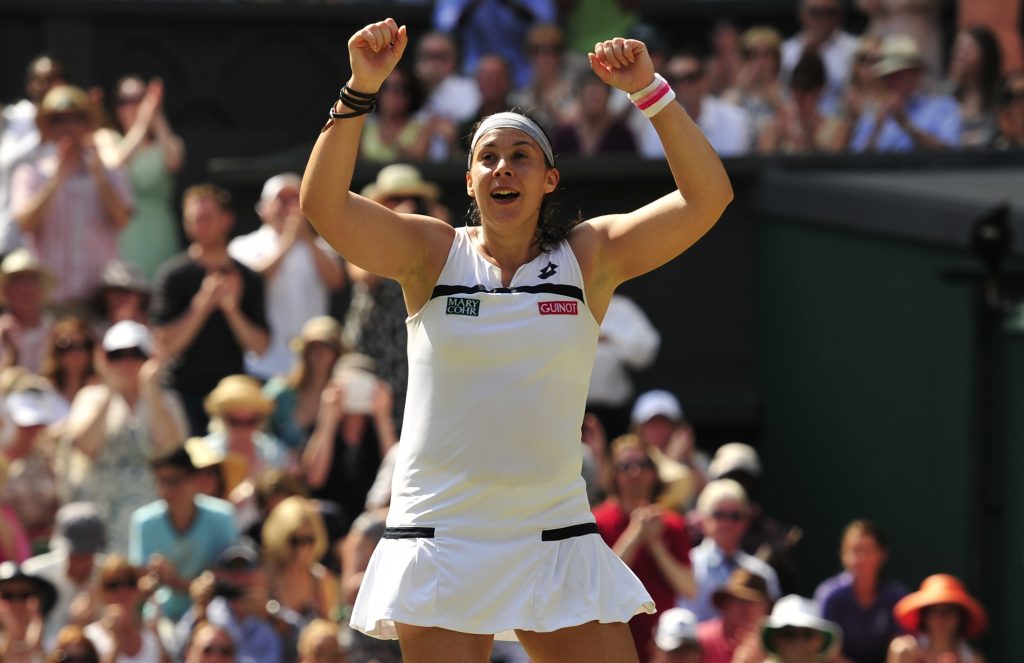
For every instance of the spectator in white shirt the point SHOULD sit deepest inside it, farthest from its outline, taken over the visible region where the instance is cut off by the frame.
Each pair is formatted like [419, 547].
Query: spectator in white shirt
[298, 267]
[725, 125]
[821, 30]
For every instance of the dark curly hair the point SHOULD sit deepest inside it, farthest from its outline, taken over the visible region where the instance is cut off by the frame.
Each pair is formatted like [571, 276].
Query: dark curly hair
[551, 228]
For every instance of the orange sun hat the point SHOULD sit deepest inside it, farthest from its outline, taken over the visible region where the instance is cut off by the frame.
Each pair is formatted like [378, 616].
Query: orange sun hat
[940, 589]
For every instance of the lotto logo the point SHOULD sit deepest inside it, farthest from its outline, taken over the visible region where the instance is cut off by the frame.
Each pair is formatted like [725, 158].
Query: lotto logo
[463, 306]
[558, 308]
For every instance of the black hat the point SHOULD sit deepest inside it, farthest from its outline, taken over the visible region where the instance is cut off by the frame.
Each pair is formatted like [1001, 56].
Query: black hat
[43, 588]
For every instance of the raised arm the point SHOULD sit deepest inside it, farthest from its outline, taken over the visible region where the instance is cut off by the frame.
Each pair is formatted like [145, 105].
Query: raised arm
[618, 247]
[408, 248]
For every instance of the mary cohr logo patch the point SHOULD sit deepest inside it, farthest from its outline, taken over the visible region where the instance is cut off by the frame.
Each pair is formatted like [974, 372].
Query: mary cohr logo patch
[463, 306]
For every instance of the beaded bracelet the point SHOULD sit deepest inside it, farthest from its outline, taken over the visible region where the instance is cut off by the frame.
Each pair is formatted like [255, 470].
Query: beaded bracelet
[654, 97]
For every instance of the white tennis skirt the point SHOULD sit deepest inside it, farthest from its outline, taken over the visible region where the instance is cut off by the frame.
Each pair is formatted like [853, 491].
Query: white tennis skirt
[543, 582]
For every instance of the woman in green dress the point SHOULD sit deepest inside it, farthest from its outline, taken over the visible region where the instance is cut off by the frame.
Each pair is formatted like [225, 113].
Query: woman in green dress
[150, 154]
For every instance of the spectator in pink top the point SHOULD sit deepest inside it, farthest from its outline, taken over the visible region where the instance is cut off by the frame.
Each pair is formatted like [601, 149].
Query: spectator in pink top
[69, 205]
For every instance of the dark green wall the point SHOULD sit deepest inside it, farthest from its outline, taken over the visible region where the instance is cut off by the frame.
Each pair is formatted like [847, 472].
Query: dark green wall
[866, 375]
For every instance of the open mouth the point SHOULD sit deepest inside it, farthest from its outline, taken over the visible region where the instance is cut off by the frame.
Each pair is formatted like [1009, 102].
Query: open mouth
[504, 195]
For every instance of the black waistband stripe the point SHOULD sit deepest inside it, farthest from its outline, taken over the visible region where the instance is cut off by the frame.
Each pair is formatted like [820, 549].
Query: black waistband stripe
[569, 532]
[408, 532]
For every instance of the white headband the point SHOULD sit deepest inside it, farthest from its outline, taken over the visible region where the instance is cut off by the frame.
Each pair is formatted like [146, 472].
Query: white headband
[511, 120]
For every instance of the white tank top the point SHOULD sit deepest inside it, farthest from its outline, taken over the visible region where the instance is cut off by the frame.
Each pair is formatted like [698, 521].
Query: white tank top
[498, 382]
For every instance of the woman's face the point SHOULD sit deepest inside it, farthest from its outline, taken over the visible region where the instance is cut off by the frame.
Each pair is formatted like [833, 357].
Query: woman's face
[966, 59]
[509, 178]
[394, 95]
[74, 351]
[862, 556]
[15, 598]
[941, 621]
[635, 474]
[302, 544]
[121, 588]
[796, 645]
[126, 363]
[321, 354]
[242, 421]
[127, 100]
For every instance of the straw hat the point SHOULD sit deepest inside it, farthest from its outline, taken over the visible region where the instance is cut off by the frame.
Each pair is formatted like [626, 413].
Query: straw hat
[67, 99]
[796, 611]
[21, 261]
[939, 589]
[233, 467]
[319, 329]
[237, 391]
[898, 53]
[400, 180]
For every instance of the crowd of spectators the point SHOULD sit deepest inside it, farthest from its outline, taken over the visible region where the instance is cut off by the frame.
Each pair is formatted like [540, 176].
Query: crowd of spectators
[195, 456]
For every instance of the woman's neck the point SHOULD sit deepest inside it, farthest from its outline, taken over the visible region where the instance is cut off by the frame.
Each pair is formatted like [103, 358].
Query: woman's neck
[505, 250]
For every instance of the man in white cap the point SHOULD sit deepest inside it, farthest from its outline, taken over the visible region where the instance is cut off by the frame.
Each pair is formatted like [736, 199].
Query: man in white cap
[298, 267]
[658, 420]
[675, 639]
[908, 117]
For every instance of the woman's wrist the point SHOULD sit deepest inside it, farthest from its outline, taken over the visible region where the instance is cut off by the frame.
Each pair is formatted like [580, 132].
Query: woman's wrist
[654, 97]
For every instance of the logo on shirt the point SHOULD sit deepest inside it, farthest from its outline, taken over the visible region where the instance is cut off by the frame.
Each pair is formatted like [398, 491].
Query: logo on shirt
[463, 306]
[558, 308]
[548, 271]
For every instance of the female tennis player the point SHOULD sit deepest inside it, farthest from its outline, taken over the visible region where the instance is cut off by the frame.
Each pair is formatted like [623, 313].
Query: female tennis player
[489, 532]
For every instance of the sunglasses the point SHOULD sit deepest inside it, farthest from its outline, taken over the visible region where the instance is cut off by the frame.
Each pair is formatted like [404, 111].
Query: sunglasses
[943, 610]
[123, 583]
[243, 422]
[634, 465]
[1011, 95]
[16, 596]
[126, 354]
[218, 650]
[545, 49]
[822, 12]
[792, 633]
[734, 516]
[691, 77]
[63, 119]
[440, 56]
[65, 344]
[296, 541]
[170, 482]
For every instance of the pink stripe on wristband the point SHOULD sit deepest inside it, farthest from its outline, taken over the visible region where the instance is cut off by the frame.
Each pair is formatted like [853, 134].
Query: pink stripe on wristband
[653, 98]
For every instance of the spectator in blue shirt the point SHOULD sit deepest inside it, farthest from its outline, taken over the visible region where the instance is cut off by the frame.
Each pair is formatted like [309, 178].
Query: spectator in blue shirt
[861, 598]
[725, 516]
[180, 535]
[908, 118]
[233, 595]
